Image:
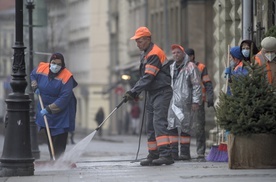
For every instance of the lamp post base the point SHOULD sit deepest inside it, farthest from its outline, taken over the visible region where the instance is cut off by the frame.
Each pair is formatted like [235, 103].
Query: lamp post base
[16, 168]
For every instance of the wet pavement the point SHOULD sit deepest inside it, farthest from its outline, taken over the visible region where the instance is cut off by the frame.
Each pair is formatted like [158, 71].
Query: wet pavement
[112, 159]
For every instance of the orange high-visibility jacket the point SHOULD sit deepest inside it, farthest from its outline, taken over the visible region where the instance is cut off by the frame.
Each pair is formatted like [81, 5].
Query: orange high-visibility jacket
[260, 59]
[206, 82]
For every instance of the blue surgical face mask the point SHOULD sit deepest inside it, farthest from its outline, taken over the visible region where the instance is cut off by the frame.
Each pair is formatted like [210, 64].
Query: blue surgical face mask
[55, 68]
[246, 53]
[232, 64]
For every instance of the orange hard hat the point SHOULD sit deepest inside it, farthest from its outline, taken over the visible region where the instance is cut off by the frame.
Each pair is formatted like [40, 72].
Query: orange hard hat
[141, 32]
[174, 46]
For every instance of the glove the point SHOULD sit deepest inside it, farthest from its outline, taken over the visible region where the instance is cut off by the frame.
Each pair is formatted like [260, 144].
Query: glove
[227, 72]
[210, 103]
[43, 112]
[37, 92]
[130, 95]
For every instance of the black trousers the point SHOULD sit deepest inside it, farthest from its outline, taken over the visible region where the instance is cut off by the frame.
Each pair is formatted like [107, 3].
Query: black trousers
[59, 144]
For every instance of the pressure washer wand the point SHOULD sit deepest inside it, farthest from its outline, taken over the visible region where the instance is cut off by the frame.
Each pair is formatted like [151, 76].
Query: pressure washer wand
[119, 105]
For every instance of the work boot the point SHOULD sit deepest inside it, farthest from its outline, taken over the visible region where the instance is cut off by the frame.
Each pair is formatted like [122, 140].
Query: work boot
[201, 158]
[163, 160]
[184, 157]
[175, 156]
[148, 160]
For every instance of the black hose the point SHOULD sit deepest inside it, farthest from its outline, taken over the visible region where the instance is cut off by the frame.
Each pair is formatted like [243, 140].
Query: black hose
[141, 128]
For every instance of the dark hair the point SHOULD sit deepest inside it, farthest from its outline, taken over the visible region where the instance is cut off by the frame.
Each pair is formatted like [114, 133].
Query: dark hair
[190, 51]
[250, 43]
[58, 56]
[54, 56]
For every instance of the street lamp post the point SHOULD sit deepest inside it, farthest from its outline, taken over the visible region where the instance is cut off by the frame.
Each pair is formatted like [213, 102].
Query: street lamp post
[17, 159]
[33, 129]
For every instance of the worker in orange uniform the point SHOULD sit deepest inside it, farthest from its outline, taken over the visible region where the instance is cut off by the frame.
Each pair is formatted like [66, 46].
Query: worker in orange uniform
[207, 88]
[267, 56]
[155, 79]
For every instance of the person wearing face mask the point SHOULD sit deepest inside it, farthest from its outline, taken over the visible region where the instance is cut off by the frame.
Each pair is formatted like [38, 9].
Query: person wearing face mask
[246, 47]
[236, 65]
[55, 84]
[267, 56]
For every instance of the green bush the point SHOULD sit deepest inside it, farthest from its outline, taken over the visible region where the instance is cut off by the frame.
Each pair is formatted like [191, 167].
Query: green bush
[271, 32]
[251, 109]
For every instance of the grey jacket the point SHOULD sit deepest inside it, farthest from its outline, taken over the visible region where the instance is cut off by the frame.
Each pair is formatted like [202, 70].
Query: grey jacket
[186, 90]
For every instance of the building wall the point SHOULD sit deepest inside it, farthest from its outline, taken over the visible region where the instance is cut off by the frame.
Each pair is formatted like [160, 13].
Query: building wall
[89, 56]
[94, 37]
[228, 32]
[79, 30]
[7, 32]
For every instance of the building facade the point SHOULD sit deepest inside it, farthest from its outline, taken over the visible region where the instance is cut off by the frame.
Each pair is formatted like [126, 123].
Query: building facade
[94, 37]
[7, 33]
[210, 27]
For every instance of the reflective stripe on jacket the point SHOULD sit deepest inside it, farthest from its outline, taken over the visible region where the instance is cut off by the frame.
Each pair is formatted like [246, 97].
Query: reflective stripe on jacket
[206, 82]
[154, 70]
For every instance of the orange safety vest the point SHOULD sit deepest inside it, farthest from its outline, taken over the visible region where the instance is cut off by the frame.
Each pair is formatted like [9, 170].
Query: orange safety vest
[151, 69]
[260, 59]
[204, 79]
[239, 65]
[64, 76]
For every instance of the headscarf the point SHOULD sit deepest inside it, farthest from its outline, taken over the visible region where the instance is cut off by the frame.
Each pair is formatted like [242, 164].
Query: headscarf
[254, 48]
[53, 57]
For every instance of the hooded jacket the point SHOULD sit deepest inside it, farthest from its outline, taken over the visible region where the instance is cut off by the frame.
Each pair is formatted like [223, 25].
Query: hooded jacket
[186, 91]
[254, 48]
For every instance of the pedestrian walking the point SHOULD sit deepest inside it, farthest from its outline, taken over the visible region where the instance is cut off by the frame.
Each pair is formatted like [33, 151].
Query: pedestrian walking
[156, 81]
[207, 96]
[135, 118]
[55, 84]
[186, 100]
[99, 119]
[267, 56]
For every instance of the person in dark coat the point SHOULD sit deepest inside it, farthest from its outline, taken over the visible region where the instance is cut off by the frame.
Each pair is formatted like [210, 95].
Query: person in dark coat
[99, 119]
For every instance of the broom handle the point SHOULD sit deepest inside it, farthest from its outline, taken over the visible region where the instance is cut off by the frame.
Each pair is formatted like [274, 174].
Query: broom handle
[227, 65]
[222, 136]
[47, 128]
[226, 86]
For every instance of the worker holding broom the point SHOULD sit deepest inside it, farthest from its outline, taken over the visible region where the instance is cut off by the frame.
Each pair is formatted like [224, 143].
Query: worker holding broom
[236, 65]
[156, 80]
[236, 68]
[56, 110]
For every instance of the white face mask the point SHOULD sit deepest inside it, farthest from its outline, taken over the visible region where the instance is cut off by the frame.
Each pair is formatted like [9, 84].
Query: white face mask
[246, 53]
[55, 68]
[270, 56]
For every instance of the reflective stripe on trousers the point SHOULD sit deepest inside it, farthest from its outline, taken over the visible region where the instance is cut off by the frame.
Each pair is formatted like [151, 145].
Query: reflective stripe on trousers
[157, 112]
